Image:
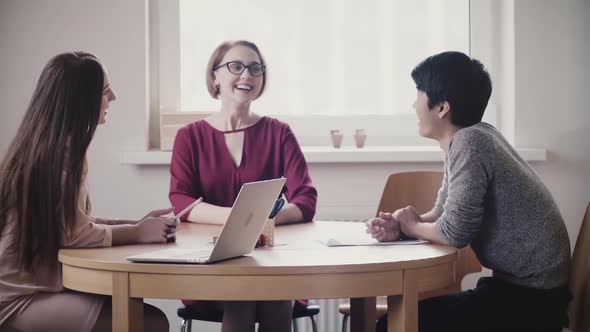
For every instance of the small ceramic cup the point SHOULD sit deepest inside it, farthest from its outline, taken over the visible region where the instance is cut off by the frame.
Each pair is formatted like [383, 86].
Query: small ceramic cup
[336, 136]
[360, 138]
[267, 238]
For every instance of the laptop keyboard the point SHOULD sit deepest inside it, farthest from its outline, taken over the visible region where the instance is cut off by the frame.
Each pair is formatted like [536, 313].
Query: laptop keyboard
[195, 254]
[181, 253]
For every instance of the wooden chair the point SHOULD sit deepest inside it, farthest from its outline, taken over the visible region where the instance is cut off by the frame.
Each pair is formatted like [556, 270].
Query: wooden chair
[300, 310]
[579, 308]
[418, 189]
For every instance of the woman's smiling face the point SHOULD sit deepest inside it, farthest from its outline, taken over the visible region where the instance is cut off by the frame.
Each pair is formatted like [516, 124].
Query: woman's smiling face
[242, 88]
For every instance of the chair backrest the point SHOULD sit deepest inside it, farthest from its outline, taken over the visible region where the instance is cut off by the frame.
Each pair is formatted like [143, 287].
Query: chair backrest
[419, 189]
[579, 309]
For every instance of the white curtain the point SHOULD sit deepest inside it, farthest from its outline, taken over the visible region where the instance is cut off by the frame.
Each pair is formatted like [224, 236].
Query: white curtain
[332, 57]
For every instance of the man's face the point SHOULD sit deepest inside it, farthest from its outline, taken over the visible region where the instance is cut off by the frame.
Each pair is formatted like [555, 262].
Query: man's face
[428, 119]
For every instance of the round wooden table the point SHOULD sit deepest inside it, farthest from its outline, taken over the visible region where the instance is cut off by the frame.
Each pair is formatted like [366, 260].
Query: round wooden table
[298, 267]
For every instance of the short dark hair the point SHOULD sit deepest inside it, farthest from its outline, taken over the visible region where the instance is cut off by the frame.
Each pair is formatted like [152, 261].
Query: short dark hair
[456, 78]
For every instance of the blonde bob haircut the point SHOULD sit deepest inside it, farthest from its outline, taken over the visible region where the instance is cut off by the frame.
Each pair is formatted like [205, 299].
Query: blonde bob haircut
[218, 55]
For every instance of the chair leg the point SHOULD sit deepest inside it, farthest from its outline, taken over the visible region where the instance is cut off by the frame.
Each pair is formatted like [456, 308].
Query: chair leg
[187, 325]
[314, 327]
[345, 323]
[295, 329]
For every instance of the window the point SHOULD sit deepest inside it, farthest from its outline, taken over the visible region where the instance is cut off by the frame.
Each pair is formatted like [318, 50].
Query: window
[331, 64]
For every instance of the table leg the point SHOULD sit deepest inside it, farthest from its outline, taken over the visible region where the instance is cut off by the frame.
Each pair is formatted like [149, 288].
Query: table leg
[363, 314]
[402, 310]
[127, 311]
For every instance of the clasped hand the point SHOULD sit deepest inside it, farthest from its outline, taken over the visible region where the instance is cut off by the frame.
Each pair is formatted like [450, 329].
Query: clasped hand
[384, 227]
[389, 226]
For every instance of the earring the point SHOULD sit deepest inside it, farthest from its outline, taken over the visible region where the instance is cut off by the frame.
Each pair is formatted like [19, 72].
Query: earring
[217, 87]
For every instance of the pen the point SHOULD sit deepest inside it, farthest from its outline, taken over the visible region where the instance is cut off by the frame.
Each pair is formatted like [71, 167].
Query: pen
[176, 218]
[187, 209]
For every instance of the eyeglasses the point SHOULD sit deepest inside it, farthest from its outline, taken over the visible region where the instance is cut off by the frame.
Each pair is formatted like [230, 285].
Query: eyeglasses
[237, 68]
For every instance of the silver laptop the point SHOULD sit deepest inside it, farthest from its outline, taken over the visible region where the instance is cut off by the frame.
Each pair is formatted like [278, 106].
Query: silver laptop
[239, 234]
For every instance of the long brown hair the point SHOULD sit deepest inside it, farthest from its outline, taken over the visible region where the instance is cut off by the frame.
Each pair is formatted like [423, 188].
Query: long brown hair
[41, 174]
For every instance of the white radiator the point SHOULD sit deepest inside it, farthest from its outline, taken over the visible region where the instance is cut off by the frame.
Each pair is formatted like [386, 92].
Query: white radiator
[328, 320]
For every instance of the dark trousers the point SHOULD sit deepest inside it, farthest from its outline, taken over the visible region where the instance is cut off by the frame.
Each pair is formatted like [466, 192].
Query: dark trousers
[494, 306]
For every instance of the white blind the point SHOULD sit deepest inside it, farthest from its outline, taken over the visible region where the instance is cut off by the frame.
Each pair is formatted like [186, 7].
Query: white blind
[333, 57]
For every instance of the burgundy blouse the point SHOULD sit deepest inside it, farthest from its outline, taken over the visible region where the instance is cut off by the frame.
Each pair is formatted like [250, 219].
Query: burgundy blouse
[203, 167]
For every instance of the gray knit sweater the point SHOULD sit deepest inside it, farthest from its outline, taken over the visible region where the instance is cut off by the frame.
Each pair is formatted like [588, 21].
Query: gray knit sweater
[493, 200]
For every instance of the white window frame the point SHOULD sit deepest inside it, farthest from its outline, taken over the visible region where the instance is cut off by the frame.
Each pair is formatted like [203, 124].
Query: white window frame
[491, 41]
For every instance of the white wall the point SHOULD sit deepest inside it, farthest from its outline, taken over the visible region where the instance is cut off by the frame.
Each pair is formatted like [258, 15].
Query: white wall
[552, 79]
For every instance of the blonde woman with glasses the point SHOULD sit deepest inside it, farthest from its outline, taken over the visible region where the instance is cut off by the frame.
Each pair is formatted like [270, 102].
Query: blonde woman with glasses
[213, 157]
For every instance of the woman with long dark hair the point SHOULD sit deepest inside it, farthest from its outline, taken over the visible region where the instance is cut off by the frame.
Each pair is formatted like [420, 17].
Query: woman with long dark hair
[44, 204]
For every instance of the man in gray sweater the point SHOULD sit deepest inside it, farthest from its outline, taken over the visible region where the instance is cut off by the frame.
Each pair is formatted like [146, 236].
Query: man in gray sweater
[490, 199]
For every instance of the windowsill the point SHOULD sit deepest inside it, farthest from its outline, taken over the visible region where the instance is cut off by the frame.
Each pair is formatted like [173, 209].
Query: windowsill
[346, 154]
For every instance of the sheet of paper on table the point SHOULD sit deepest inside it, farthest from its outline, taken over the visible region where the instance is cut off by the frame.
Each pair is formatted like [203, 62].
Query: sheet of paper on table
[362, 240]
